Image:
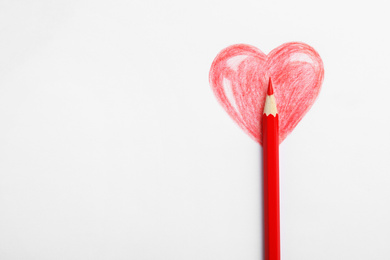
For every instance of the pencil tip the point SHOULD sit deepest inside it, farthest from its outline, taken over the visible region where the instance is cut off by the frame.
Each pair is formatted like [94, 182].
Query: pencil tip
[270, 90]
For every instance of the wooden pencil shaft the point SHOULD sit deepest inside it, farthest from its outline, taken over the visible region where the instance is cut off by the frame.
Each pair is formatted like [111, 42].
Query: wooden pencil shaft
[271, 187]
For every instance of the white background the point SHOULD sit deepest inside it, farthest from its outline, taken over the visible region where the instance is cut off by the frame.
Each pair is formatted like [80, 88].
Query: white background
[113, 146]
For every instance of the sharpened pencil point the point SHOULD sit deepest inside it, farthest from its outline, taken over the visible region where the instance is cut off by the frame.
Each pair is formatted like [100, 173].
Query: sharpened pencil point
[270, 102]
[270, 90]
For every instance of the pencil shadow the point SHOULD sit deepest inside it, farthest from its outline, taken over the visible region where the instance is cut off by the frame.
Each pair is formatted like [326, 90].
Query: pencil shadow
[261, 233]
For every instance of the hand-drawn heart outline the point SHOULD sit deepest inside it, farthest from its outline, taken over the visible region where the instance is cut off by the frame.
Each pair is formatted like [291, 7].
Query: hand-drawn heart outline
[239, 78]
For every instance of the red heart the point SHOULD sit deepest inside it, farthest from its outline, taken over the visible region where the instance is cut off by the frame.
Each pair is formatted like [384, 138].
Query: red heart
[239, 77]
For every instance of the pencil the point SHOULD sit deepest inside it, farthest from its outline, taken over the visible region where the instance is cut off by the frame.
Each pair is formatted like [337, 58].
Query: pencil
[270, 125]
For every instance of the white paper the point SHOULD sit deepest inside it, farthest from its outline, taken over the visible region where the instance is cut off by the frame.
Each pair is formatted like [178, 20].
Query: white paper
[113, 146]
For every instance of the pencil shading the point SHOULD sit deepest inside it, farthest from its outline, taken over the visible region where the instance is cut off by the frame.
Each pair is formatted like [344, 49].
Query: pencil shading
[239, 78]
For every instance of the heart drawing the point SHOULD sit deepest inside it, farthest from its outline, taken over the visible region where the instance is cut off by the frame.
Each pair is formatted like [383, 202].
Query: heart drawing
[239, 77]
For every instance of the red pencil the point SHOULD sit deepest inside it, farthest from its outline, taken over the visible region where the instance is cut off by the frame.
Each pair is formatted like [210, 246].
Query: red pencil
[271, 177]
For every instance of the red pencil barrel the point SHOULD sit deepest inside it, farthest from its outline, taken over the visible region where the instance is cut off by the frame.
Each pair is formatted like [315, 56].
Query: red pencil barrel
[271, 187]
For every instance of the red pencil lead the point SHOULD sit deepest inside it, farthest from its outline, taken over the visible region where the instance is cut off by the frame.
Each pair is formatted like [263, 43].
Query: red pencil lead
[270, 90]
